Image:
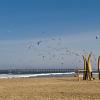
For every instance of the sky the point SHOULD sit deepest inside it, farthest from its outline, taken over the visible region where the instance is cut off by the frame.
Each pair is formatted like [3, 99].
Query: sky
[37, 33]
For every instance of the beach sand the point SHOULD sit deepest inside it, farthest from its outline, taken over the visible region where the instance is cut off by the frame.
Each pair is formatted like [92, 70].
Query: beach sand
[58, 88]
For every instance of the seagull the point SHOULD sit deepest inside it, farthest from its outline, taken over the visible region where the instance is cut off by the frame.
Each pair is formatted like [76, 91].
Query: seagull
[38, 43]
[97, 36]
[30, 46]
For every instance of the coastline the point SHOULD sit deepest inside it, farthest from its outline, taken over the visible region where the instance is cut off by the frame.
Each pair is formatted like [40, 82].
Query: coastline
[6, 76]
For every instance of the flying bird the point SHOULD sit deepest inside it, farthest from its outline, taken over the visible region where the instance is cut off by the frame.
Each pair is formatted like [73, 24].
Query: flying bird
[97, 36]
[38, 43]
[43, 57]
[62, 63]
[53, 39]
[30, 46]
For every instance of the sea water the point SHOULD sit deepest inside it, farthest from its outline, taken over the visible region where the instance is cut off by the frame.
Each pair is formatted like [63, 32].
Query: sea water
[5, 76]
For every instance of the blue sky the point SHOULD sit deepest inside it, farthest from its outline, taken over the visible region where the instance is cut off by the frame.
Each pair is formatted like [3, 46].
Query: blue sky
[23, 22]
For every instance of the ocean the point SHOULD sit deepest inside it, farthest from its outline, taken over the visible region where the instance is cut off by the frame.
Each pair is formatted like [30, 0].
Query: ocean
[5, 76]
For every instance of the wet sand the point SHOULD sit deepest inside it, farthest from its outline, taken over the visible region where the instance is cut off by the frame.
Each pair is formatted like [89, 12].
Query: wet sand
[58, 88]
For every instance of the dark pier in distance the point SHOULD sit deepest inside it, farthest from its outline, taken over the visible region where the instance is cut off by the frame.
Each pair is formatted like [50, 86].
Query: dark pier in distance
[34, 71]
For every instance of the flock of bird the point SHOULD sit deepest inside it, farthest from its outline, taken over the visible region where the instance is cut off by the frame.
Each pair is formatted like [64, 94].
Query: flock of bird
[54, 50]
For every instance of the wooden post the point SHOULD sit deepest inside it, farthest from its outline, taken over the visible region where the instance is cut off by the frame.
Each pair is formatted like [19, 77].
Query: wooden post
[99, 67]
[85, 68]
[90, 68]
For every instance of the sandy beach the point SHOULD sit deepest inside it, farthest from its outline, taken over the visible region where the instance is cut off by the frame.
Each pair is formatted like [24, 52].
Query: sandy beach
[57, 88]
